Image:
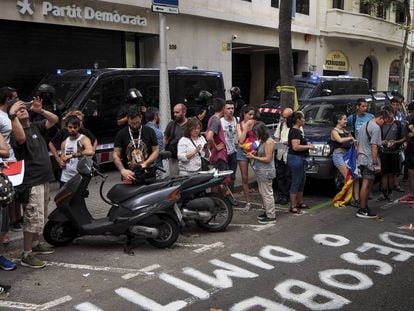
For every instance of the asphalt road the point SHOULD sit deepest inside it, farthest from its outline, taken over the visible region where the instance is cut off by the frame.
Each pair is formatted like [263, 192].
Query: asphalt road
[325, 259]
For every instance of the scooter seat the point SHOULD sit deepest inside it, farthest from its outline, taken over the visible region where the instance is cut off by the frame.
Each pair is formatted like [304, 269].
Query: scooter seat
[120, 192]
[196, 180]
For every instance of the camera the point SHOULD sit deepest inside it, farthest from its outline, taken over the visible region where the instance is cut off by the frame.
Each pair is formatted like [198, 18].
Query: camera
[234, 37]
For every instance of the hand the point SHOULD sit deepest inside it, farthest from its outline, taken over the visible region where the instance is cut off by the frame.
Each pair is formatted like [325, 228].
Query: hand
[199, 147]
[16, 107]
[220, 146]
[249, 125]
[37, 105]
[250, 155]
[127, 174]
[61, 163]
[391, 143]
[312, 146]
[377, 168]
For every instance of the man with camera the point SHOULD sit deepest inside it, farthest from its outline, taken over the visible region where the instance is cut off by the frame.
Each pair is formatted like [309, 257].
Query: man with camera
[135, 145]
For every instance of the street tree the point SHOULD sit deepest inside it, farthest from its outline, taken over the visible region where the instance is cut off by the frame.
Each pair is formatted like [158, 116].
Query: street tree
[285, 52]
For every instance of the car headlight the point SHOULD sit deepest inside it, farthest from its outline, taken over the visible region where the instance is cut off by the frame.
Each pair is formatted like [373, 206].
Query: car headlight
[321, 150]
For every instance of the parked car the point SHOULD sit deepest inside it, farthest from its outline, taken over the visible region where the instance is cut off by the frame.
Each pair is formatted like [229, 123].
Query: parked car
[310, 86]
[320, 118]
[100, 93]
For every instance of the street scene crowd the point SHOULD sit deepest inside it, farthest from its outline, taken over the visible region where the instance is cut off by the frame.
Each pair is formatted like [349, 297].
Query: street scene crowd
[225, 136]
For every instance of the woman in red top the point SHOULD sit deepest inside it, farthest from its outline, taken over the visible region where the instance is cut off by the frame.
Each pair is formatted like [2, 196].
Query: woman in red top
[245, 133]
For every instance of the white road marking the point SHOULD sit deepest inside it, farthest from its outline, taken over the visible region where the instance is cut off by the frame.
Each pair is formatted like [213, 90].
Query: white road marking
[92, 268]
[87, 306]
[31, 306]
[200, 248]
[144, 271]
[256, 227]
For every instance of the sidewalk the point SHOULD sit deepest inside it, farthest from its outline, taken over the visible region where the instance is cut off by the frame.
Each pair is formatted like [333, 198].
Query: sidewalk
[96, 206]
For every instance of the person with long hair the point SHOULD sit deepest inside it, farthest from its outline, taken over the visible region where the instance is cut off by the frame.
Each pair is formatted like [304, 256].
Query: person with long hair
[296, 160]
[342, 140]
[191, 147]
[245, 133]
[264, 167]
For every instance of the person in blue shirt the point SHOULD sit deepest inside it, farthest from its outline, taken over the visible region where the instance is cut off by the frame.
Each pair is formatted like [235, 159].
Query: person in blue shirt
[361, 116]
[153, 120]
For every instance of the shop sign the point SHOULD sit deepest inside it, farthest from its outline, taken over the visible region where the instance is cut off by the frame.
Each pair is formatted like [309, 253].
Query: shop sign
[73, 11]
[336, 61]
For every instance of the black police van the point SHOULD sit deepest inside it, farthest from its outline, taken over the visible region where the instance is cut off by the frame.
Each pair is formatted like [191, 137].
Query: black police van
[99, 94]
[310, 86]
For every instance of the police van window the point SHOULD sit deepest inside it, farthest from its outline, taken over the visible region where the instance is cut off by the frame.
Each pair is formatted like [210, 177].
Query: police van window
[149, 88]
[112, 96]
[304, 91]
[188, 87]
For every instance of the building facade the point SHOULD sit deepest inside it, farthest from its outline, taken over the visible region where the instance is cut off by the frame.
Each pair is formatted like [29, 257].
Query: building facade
[237, 37]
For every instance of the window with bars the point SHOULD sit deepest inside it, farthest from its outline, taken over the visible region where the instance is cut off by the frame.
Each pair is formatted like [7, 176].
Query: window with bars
[400, 13]
[302, 7]
[364, 8]
[274, 3]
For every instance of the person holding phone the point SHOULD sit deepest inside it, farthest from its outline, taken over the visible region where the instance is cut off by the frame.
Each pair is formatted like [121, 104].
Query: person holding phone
[192, 147]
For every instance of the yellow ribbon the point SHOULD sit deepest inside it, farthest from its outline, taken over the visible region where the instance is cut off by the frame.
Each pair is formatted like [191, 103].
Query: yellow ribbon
[290, 89]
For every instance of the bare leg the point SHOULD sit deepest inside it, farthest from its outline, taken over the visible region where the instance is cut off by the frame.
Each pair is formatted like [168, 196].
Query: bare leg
[244, 171]
[364, 193]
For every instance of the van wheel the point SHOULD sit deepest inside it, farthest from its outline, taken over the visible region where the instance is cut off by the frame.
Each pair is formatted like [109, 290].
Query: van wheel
[168, 233]
[339, 180]
[59, 233]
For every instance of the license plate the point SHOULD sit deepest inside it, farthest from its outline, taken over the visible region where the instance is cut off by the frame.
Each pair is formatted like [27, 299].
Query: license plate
[178, 212]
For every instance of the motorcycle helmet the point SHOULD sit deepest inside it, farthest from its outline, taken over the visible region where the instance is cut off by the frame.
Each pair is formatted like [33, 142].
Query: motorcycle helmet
[235, 90]
[46, 91]
[133, 95]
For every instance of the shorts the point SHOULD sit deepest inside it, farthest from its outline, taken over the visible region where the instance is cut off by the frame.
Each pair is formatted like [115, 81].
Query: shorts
[390, 163]
[366, 173]
[240, 155]
[35, 212]
[220, 164]
[338, 158]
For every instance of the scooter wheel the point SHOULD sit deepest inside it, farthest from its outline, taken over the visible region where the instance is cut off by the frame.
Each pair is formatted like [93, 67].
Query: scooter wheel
[222, 215]
[169, 232]
[59, 233]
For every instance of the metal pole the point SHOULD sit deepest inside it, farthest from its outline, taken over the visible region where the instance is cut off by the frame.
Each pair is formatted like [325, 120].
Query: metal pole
[165, 109]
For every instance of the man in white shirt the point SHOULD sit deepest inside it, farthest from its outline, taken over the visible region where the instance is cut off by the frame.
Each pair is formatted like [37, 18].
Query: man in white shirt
[283, 177]
[228, 123]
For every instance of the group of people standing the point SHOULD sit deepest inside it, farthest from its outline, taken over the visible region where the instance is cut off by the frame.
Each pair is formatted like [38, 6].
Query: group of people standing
[379, 141]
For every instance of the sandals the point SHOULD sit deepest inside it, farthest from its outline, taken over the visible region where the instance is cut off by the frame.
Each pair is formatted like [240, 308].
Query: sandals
[295, 210]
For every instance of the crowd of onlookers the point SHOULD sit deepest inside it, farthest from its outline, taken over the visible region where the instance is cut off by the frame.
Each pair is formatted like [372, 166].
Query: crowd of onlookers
[224, 136]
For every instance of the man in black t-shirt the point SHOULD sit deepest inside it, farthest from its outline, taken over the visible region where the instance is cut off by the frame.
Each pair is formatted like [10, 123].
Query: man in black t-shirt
[29, 145]
[134, 145]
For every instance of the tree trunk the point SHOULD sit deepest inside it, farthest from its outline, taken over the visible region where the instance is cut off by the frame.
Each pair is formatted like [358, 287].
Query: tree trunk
[285, 52]
[407, 29]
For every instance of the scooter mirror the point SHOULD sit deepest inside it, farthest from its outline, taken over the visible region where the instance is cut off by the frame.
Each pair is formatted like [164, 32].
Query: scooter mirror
[165, 155]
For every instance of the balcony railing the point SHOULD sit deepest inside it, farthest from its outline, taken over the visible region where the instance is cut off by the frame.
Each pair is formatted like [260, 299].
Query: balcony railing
[341, 23]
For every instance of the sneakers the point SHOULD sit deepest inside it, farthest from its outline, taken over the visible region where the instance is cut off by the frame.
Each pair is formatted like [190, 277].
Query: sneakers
[247, 207]
[261, 216]
[267, 220]
[32, 261]
[16, 227]
[42, 248]
[4, 291]
[407, 199]
[7, 264]
[365, 213]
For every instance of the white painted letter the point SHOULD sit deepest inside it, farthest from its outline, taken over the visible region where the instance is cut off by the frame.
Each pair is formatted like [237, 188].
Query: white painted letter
[383, 267]
[148, 304]
[328, 277]
[87, 306]
[385, 237]
[46, 7]
[222, 277]
[185, 286]
[385, 250]
[330, 240]
[308, 295]
[267, 304]
[293, 257]
[254, 261]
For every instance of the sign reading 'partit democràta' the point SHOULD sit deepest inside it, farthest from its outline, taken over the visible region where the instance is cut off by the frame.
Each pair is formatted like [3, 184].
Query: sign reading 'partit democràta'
[73, 11]
[336, 61]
